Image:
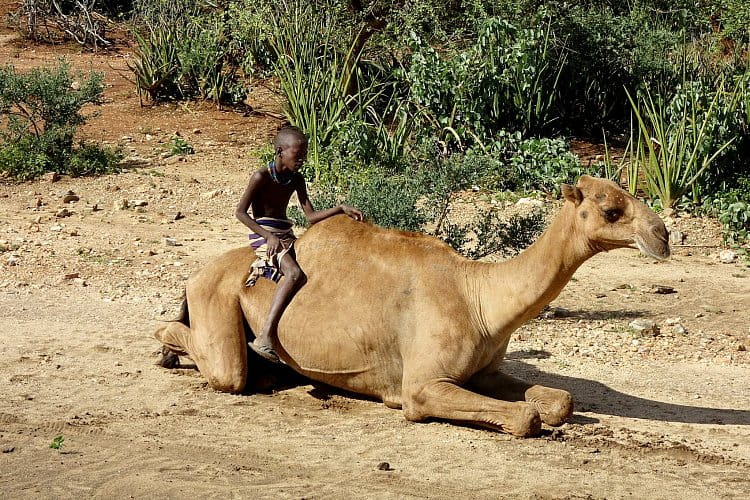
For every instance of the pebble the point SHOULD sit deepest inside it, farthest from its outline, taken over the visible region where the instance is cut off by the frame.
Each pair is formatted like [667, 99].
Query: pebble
[530, 202]
[56, 228]
[52, 177]
[644, 327]
[138, 203]
[63, 212]
[384, 466]
[70, 197]
[676, 237]
[178, 216]
[171, 242]
[211, 194]
[679, 329]
[727, 256]
[662, 289]
[13, 260]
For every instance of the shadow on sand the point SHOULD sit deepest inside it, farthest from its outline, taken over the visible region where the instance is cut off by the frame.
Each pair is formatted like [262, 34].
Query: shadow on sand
[593, 396]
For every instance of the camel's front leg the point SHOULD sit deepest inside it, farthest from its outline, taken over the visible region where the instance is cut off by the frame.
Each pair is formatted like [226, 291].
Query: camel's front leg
[555, 406]
[442, 398]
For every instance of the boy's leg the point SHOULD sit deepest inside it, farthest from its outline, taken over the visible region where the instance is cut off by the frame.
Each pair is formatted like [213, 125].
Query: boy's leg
[291, 281]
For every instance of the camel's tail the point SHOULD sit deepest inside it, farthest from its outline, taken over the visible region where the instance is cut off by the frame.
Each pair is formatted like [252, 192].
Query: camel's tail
[184, 315]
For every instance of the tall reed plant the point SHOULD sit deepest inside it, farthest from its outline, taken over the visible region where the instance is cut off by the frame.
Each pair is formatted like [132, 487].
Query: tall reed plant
[317, 73]
[672, 152]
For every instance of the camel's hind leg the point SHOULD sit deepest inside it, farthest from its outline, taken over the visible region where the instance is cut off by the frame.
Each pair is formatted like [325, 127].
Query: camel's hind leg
[215, 341]
[555, 406]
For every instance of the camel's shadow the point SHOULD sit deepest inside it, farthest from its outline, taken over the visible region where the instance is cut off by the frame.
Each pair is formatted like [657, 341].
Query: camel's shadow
[589, 395]
[593, 396]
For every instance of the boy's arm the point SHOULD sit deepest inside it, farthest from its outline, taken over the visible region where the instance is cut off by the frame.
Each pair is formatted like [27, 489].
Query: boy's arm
[313, 215]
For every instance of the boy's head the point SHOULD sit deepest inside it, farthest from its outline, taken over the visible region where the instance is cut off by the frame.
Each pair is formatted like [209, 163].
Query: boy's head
[291, 149]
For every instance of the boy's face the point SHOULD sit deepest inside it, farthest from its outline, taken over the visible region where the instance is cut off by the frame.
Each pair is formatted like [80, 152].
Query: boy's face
[291, 157]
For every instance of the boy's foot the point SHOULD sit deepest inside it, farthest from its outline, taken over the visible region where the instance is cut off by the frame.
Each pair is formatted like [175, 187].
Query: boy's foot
[265, 351]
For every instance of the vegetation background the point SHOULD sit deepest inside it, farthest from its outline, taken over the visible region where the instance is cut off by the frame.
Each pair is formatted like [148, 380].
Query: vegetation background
[407, 101]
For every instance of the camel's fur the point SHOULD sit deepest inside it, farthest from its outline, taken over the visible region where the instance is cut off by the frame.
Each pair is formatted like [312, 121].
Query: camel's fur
[403, 318]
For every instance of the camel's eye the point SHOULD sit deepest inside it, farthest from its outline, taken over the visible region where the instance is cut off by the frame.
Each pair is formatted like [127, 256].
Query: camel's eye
[612, 214]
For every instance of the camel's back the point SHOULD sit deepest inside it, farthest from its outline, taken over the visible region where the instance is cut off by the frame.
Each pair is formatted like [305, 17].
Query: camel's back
[368, 290]
[352, 241]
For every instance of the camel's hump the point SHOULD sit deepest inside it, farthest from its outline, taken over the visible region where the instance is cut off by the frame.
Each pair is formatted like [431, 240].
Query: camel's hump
[365, 236]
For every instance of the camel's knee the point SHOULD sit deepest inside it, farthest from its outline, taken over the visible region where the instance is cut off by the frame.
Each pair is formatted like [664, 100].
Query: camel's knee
[233, 383]
[413, 404]
[554, 405]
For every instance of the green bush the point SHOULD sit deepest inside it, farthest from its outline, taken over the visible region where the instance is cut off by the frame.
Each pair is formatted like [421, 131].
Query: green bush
[732, 209]
[39, 116]
[506, 79]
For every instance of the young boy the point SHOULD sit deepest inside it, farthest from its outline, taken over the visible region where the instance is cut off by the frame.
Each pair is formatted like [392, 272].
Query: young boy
[268, 194]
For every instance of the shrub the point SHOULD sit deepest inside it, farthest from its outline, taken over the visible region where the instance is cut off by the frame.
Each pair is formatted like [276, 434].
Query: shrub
[39, 116]
[507, 79]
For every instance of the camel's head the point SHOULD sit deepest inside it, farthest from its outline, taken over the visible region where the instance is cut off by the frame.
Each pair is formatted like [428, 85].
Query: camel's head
[610, 217]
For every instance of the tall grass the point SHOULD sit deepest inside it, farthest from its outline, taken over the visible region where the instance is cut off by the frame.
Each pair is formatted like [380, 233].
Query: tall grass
[672, 152]
[317, 73]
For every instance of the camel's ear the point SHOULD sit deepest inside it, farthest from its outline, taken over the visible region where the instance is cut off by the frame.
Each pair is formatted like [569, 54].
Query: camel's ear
[572, 193]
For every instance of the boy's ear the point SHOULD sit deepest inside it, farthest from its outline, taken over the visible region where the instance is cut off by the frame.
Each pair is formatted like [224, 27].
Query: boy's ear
[572, 193]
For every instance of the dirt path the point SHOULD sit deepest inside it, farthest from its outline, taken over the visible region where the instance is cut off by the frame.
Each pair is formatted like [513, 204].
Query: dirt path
[664, 416]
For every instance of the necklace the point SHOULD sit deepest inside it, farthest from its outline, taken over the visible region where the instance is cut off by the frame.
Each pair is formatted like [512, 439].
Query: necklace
[283, 179]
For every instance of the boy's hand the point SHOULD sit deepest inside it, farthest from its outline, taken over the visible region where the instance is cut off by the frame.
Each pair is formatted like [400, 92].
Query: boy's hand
[274, 245]
[352, 212]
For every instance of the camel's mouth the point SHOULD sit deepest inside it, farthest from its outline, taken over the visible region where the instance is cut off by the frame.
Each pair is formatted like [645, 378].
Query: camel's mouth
[658, 250]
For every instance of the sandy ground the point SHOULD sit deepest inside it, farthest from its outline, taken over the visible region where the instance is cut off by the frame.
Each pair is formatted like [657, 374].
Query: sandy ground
[664, 416]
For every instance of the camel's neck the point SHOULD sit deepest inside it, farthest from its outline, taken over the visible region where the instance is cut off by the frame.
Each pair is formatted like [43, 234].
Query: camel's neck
[511, 292]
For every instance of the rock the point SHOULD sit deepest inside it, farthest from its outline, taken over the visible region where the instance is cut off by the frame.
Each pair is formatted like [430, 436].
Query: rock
[727, 256]
[52, 177]
[530, 202]
[70, 197]
[160, 310]
[178, 216]
[9, 449]
[171, 242]
[679, 329]
[555, 312]
[56, 228]
[80, 281]
[671, 321]
[71, 276]
[741, 347]
[196, 131]
[662, 289]
[13, 260]
[211, 194]
[644, 327]
[676, 237]
[384, 466]
[138, 203]
[122, 205]
[63, 212]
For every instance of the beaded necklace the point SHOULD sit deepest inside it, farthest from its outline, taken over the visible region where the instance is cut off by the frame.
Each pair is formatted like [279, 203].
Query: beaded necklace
[283, 179]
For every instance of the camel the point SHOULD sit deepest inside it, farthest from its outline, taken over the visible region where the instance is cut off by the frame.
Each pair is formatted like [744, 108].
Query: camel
[403, 318]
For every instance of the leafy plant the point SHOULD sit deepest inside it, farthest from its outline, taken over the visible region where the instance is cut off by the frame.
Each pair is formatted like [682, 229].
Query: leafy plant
[179, 146]
[57, 443]
[39, 116]
[672, 152]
